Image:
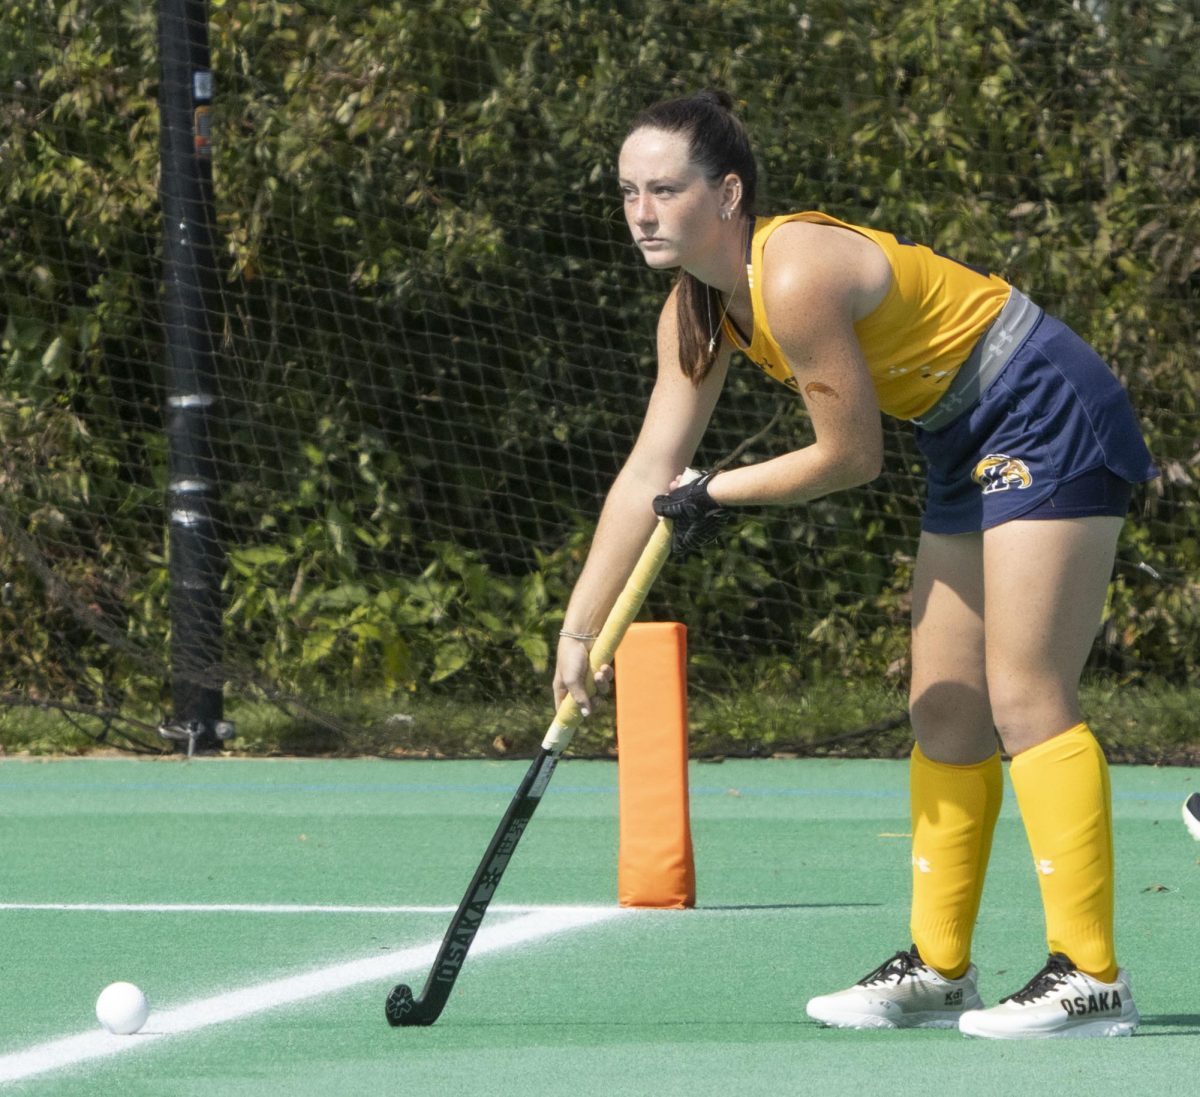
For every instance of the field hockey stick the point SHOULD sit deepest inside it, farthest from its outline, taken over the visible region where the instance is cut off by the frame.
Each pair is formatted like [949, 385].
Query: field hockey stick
[402, 1008]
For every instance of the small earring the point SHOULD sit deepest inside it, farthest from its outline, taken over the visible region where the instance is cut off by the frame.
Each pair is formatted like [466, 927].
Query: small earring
[725, 215]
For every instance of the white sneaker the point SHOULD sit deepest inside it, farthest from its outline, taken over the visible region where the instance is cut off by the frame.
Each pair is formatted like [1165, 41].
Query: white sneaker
[1191, 815]
[1060, 1000]
[903, 992]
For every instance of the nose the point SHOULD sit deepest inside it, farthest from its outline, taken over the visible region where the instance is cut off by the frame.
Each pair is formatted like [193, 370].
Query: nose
[643, 210]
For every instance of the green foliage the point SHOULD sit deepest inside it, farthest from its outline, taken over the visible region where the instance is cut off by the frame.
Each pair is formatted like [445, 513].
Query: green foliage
[437, 342]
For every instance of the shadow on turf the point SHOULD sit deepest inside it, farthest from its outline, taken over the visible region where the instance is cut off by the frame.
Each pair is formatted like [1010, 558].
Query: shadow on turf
[782, 906]
[1185, 1024]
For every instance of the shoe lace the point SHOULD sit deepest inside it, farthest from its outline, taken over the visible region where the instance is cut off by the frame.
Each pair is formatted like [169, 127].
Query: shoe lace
[899, 965]
[1058, 967]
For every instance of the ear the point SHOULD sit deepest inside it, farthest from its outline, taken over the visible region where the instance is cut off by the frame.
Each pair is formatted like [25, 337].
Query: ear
[731, 193]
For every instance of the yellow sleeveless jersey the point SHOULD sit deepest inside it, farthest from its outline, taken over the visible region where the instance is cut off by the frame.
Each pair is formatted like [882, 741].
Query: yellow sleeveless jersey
[918, 336]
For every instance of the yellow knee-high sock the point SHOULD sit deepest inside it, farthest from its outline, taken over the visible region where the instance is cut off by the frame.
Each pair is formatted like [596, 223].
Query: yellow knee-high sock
[954, 810]
[1063, 791]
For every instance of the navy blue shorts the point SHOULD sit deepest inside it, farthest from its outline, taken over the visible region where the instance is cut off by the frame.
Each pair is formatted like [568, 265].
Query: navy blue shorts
[1053, 436]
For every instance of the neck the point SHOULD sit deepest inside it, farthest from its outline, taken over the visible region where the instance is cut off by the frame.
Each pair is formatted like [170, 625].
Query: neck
[725, 269]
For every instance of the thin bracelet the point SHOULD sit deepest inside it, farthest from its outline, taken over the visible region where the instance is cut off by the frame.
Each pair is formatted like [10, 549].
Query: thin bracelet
[585, 637]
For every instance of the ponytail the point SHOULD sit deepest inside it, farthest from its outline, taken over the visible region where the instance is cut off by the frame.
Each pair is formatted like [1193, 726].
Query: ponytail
[697, 306]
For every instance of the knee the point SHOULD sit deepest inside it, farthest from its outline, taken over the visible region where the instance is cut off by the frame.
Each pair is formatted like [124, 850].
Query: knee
[1012, 709]
[1028, 712]
[952, 722]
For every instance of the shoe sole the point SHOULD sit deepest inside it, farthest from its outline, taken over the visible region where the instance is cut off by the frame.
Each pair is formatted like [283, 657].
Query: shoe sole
[1087, 1030]
[873, 1021]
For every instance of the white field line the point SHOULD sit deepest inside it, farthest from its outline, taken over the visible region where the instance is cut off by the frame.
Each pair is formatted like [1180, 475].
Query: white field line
[258, 998]
[275, 908]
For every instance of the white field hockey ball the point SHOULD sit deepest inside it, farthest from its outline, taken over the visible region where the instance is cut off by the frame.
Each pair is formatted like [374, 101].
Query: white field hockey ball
[122, 1008]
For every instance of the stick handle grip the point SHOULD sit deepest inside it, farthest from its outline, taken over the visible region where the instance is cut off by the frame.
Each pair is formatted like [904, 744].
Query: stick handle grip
[620, 617]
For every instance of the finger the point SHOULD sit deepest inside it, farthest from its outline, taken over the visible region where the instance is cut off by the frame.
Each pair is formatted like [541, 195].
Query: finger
[582, 700]
[604, 677]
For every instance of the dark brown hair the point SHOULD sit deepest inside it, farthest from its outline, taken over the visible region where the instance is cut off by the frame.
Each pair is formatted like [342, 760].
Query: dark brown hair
[719, 144]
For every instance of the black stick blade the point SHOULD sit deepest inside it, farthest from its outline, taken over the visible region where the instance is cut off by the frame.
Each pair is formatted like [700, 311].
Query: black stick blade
[403, 1010]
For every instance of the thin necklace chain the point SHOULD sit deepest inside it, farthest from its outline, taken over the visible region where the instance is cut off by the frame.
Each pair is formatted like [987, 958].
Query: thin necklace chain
[714, 331]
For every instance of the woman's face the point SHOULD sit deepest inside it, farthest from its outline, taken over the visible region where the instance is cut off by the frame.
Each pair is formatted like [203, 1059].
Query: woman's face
[673, 212]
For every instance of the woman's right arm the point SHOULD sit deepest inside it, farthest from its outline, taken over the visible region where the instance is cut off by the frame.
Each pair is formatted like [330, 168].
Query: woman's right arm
[676, 417]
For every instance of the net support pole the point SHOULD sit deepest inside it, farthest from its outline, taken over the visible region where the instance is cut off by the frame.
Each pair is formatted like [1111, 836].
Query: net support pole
[191, 297]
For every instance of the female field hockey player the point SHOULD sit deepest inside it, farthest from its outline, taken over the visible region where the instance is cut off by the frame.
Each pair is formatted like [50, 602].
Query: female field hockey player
[1032, 449]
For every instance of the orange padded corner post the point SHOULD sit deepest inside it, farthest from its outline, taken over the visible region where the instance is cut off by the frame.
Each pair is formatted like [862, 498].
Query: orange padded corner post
[655, 867]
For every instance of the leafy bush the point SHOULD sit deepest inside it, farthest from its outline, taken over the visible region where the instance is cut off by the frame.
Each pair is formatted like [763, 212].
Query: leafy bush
[437, 343]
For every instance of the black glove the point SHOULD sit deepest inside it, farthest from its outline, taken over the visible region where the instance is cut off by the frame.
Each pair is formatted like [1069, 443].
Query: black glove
[695, 516]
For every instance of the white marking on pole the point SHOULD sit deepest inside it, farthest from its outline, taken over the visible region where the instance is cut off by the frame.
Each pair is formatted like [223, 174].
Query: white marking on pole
[258, 998]
[189, 486]
[191, 399]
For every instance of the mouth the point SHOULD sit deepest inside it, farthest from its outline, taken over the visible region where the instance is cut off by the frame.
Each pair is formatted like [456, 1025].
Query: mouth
[651, 242]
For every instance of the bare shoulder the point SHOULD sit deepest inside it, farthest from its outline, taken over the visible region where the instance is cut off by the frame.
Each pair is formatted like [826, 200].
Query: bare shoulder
[668, 318]
[670, 373]
[810, 266]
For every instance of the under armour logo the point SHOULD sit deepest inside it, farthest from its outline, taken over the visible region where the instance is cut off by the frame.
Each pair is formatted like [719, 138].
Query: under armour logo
[1045, 866]
[921, 865]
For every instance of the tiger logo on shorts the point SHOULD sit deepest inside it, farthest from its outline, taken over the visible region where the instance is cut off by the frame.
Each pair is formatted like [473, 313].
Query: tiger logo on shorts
[999, 472]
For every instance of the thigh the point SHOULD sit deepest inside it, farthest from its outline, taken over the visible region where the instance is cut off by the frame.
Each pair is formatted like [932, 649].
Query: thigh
[948, 699]
[1045, 584]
